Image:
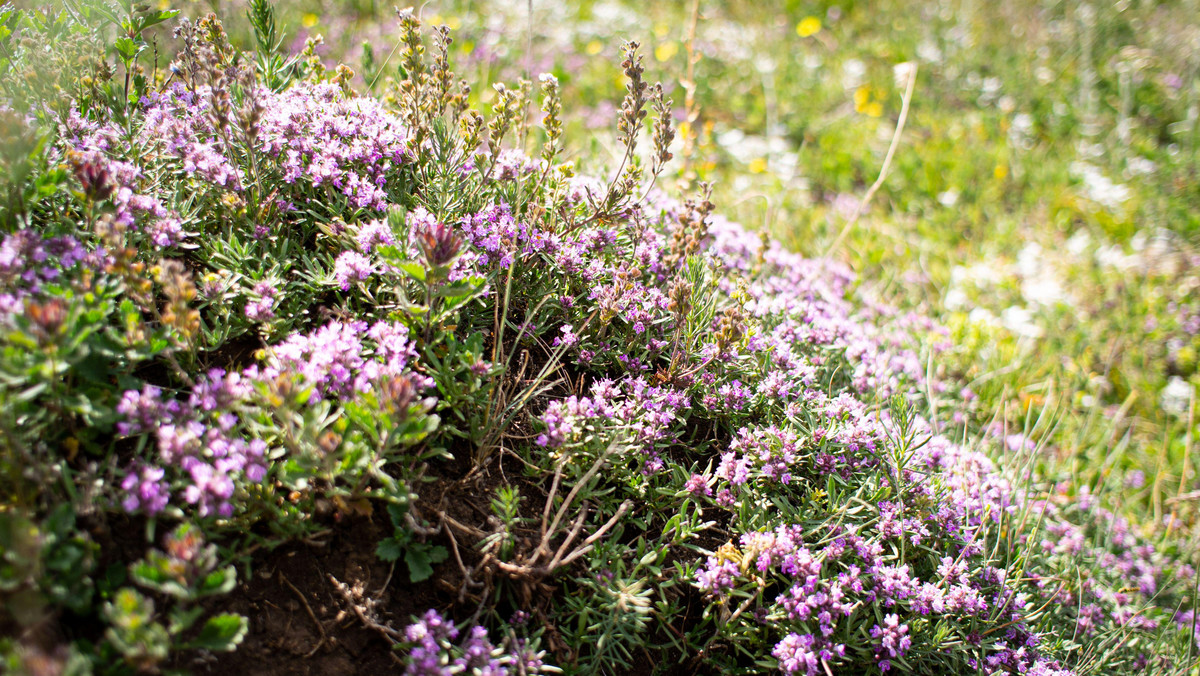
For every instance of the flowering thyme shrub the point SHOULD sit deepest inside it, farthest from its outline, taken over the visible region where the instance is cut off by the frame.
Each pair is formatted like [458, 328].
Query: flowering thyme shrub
[252, 307]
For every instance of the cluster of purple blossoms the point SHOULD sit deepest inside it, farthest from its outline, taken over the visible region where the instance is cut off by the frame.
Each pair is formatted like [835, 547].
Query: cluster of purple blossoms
[28, 262]
[860, 573]
[435, 654]
[314, 134]
[499, 239]
[804, 304]
[199, 436]
[421, 229]
[894, 641]
[145, 489]
[351, 267]
[512, 164]
[697, 485]
[373, 234]
[263, 307]
[95, 145]
[177, 123]
[353, 146]
[803, 654]
[841, 439]
[335, 361]
[647, 412]
[718, 575]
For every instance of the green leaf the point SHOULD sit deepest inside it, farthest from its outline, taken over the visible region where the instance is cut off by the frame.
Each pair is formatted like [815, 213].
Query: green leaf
[103, 11]
[413, 269]
[389, 550]
[218, 582]
[222, 633]
[419, 569]
[397, 512]
[466, 288]
[127, 47]
[183, 618]
[157, 17]
[437, 554]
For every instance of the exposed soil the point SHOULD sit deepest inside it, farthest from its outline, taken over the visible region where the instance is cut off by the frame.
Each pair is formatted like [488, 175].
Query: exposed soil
[300, 597]
[300, 623]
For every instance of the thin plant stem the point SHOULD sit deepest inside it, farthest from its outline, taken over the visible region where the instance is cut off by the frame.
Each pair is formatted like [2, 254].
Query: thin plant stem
[883, 170]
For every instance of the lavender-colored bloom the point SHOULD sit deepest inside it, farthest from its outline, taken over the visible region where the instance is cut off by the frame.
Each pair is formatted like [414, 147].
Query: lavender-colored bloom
[262, 309]
[796, 656]
[374, 234]
[433, 652]
[697, 485]
[97, 145]
[477, 653]
[893, 638]
[568, 337]
[349, 146]
[146, 490]
[717, 576]
[433, 626]
[335, 361]
[351, 267]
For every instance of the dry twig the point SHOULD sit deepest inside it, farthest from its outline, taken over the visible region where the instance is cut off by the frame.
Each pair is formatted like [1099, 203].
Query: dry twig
[887, 163]
[311, 614]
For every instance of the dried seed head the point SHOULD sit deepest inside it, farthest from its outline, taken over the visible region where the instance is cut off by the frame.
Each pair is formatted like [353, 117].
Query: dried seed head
[470, 127]
[664, 130]
[342, 75]
[691, 227]
[95, 179]
[680, 294]
[439, 244]
[399, 393]
[440, 74]
[504, 113]
[47, 318]
[732, 328]
[178, 288]
[633, 107]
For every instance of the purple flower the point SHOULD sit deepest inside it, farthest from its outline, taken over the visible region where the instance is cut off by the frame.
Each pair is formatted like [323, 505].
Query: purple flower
[697, 485]
[717, 576]
[796, 656]
[351, 267]
[263, 308]
[568, 337]
[146, 490]
[431, 626]
[893, 638]
[374, 234]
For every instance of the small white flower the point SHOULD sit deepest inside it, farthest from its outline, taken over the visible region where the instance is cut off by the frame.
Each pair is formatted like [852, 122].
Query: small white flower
[956, 299]
[853, 72]
[1019, 320]
[1176, 396]
[948, 198]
